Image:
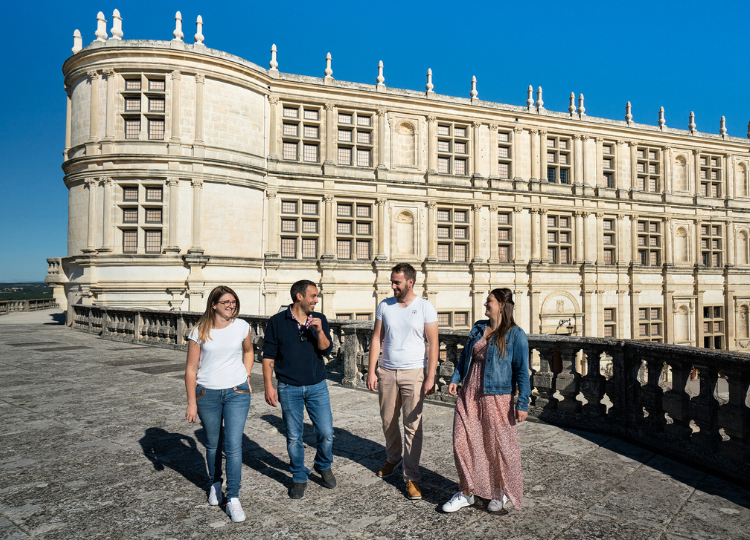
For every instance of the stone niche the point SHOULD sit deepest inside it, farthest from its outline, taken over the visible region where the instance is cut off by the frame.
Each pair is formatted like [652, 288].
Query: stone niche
[561, 314]
[405, 232]
[406, 142]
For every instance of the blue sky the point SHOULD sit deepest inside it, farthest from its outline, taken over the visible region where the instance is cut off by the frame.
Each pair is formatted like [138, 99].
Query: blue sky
[685, 56]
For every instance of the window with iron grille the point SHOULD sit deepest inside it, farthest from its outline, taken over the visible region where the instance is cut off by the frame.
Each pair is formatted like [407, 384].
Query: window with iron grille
[133, 84]
[452, 235]
[608, 165]
[130, 215]
[355, 138]
[354, 230]
[559, 159]
[713, 327]
[300, 228]
[650, 242]
[453, 319]
[355, 316]
[504, 153]
[153, 241]
[153, 215]
[129, 240]
[609, 241]
[712, 244]
[453, 148]
[650, 324]
[648, 169]
[156, 105]
[300, 133]
[129, 193]
[156, 85]
[133, 104]
[610, 323]
[712, 177]
[132, 128]
[504, 237]
[155, 130]
[559, 239]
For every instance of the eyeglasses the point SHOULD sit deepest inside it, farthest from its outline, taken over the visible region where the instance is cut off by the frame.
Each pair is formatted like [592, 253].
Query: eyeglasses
[228, 303]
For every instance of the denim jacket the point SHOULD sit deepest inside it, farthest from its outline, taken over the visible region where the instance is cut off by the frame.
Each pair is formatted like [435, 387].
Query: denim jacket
[501, 375]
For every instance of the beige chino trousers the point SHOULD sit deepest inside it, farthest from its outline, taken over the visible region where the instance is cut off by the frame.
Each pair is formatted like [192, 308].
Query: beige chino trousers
[400, 393]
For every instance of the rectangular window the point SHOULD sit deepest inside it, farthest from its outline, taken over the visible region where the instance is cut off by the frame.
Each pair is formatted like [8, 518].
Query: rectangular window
[345, 156]
[504, 154]
[133, 85]
[298, 127]
[290, 151]
[610, 322]
[291, 112]
[311, 153]
[452, 142]
[309, 248]
[354, 227]
[312, 132]
[711, 176]
[650, 324]
[130, 215]
[648, 168]
[344, 249]
[345, 119]
[712, 244]
[650, 242]
[453, 234]
[153, 215]
[156, 85]
[609, 240]
[558, 159]
[156, 130]
[363, 158]
[355, 139]
[153, 241]
[129, 240]
[130, 194]
[154, 194]
[299, 229]
[156, 105]
[289, 248]
[133, 104]
[713, 327]
[291, 130]
[504, 237]
[132, 128]
[608, 165]
[559, 239]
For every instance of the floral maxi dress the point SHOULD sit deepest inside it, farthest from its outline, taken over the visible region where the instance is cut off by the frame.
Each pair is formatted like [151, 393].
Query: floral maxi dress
[485, 442]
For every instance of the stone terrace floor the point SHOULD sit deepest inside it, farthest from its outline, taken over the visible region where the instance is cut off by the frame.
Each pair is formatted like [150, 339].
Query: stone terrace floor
[95, 445]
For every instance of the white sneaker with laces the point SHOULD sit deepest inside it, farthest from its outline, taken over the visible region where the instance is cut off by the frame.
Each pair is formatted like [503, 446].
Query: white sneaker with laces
[214, 494]
[497, 505]
[234, 509]
[458, 501]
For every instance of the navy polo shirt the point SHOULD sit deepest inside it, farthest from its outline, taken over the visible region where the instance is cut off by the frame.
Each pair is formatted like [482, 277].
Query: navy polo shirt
[297, 362]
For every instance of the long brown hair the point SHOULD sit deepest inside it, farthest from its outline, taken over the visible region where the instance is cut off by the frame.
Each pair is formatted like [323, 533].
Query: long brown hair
[206, 322]
[505, 297]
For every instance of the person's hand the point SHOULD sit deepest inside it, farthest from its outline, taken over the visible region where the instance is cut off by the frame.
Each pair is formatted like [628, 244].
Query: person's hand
[453, 389]
[191, 413]
[249, 386]
[372, 381]
[428, 387]
[316, 324]
[521, 415]
[272, 397]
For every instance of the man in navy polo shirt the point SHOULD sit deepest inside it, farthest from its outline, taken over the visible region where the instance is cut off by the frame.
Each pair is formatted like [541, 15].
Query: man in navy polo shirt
[296, 341]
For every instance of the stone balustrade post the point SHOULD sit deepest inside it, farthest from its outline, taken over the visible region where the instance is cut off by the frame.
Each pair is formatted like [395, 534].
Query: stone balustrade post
[651, 394]
[734, 416]
[568, 380]
[544, 380]
[593, 385]
[676, 401]
[704, 408]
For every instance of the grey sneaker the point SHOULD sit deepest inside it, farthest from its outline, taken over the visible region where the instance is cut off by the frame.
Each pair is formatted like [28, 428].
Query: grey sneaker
[234, 509]
[298, 490]
[214, 494]
[329, 480]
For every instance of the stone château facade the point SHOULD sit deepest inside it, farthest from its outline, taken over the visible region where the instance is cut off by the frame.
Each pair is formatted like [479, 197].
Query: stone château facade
[188, 167]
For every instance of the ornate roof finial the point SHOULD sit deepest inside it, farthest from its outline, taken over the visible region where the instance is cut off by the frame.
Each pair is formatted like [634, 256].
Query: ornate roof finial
[101, 27]
[628, 114]
[723, 127]
[380, 79]
[77, 41]
[691, 122]
[116, 25]
[581, 108]
[530, 97]
[178, 35]
[473, 92]
[199, 30]
[328, 71]
[539, 101]
[273, 64]
[572, 106]
[662, 121]
[429, 86]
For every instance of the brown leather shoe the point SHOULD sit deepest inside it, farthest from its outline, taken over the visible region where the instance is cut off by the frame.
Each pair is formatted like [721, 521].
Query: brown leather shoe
[412, 490]
[388, 469]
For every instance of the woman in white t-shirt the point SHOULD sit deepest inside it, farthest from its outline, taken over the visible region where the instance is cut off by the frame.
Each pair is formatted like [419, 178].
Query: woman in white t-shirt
[217, 379]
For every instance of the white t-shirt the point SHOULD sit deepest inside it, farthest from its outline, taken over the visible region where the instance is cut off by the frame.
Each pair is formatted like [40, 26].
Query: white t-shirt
[403, 346]
[221, 364]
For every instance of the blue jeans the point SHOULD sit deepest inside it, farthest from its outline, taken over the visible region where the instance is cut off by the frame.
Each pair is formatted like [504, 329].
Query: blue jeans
[294, 400]
[231, 405]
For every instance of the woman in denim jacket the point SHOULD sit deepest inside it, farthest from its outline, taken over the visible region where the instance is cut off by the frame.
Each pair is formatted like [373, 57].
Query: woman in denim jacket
[494, 364]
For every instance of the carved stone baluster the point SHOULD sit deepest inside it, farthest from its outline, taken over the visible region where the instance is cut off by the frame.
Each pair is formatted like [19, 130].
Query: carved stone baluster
[350, 355]
[704, 408]
[734, 416]
[651, 394]
[568, 380]
[593, 385]
[615, 387]
[544, 379]
[676, 402]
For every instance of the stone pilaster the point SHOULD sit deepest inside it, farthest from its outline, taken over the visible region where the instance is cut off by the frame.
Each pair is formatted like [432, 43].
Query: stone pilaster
[109, 129]
[476, 161]
[587, 240]
[543, 234]
[68, 121]
[91, 144]
[494, 173]
[108, 206]
[329, 228]
[174, 140]
[381, 203]
[477, 212]
[273, 249]
[330, 160]
[494, 240]
[535, 239]
[273, 132]
[173, 185]
[200, 101]
[197, 222]
[431, 145]
[599, 240]
[382, 149]
[579, 237]
[91, 231]
[431, 231]
[535, 156]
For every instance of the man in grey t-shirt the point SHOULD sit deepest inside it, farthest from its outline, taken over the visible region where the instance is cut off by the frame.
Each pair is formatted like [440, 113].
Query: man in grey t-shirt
[401, 324]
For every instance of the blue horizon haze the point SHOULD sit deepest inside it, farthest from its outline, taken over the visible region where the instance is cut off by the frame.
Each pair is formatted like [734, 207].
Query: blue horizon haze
[685, 56]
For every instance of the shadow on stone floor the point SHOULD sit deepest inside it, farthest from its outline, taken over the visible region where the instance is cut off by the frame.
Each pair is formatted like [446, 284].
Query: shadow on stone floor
[178, 452]
[58, 319]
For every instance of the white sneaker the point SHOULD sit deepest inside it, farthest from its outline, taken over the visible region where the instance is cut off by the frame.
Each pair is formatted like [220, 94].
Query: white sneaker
[214, 494]
[234, 509]
[497, 505]
[458, 501]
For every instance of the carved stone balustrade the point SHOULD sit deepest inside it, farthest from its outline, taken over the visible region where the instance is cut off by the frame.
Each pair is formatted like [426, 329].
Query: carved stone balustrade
[688, 402]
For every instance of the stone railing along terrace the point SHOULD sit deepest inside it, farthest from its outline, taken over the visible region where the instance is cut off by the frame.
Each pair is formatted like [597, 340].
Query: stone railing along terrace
[686, 402]
[7, 306]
